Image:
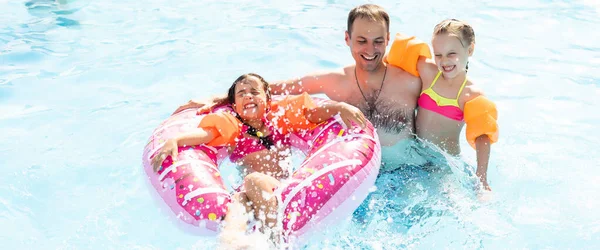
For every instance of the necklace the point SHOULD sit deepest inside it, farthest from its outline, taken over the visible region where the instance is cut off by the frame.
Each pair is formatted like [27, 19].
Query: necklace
[266, 141]
[371, 106]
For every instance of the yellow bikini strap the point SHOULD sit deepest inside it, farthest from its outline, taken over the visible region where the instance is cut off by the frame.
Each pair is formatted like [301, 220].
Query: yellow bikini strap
[435, 79]
[461, 88]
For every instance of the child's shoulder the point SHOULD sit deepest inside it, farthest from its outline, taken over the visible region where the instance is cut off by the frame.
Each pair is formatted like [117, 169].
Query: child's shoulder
[470, 92]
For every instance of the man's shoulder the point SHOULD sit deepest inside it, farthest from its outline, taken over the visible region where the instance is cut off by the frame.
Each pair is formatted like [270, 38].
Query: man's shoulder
[336, 77]
[332, 72]
[329, 75]
[346, 71]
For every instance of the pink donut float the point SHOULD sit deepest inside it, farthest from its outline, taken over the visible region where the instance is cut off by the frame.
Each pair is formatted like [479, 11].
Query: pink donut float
[339, 169]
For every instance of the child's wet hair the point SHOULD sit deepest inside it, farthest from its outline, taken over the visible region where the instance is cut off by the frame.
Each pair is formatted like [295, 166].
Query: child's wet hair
[458, 28]
[231, 91]
[461, 29]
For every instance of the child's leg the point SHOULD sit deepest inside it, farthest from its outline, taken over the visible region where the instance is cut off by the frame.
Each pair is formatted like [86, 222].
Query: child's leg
[233, 234]
[259, 189]
[236, 218]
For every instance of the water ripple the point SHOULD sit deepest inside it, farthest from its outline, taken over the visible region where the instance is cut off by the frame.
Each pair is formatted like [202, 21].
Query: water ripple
[87, 81]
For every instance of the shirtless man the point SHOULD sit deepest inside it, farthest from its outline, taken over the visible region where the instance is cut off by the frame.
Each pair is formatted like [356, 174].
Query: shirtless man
[386, 94]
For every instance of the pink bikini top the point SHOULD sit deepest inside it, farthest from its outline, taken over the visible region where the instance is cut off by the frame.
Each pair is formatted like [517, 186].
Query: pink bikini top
[447, 107]
[286, 116]
[256, 142]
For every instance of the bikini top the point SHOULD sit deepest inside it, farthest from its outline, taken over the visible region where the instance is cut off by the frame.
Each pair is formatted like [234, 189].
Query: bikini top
[257, 141]
[431, 100]
[285, 116]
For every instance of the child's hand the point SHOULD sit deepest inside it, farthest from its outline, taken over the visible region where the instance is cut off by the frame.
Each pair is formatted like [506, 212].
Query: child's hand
[209, 106]
[170, 148]
[485, 185]
[205, 109]
[482, 176]
[350, 114]
[485, 193]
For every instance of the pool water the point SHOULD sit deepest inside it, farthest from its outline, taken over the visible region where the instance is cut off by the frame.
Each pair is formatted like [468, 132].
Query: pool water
[84, 83]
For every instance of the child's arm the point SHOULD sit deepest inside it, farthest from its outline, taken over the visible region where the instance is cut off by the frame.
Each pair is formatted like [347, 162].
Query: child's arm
[198, 137]
[406, 51]
[201, 136]
[427, 71]
[481, 117]
[483, 148]
[347, 112]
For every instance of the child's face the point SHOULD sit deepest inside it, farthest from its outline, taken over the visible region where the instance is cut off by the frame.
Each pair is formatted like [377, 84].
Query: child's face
[450, 55]
[250, 99]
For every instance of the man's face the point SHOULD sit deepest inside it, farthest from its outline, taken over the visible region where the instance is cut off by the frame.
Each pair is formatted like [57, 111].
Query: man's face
[367, 40]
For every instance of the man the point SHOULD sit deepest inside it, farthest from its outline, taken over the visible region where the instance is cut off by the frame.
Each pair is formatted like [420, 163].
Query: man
[386, 94]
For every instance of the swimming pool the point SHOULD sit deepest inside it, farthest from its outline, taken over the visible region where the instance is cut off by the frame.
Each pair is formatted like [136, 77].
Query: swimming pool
[83, 84]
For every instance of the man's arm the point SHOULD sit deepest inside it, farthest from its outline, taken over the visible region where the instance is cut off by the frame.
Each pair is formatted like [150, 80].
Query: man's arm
[327, 83]
[197, 104]
[315, 83]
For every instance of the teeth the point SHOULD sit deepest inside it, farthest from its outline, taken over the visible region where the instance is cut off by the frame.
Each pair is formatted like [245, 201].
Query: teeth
[369, 58]
[251, 105]
[448, 68]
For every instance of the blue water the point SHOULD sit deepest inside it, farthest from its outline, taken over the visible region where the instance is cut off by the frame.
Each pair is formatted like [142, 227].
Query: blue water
[84, 83]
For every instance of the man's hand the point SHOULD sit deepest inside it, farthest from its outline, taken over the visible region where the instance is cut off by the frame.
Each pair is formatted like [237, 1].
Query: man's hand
[189, 105]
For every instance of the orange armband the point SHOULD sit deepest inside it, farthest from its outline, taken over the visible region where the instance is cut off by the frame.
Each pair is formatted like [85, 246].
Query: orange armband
[405, 53]
[290, 112]
[481, 118]
[224, 126]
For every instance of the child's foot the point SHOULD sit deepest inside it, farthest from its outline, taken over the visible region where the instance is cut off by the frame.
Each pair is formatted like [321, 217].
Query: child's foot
[234, 240]
[233, 234]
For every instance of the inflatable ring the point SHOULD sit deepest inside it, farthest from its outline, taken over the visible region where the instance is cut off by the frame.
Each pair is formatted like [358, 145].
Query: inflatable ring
[339, 169]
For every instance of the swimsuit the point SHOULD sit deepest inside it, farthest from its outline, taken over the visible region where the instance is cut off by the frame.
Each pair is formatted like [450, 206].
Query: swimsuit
[257, 142]
[285, 116]
[447, 107]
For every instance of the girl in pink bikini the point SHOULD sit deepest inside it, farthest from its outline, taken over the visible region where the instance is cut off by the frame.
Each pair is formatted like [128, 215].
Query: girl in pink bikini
[256, 133]
[449, 100]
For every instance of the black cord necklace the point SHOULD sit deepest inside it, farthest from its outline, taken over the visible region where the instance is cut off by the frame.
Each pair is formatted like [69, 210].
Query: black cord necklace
[264, 140]
[371, 106]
